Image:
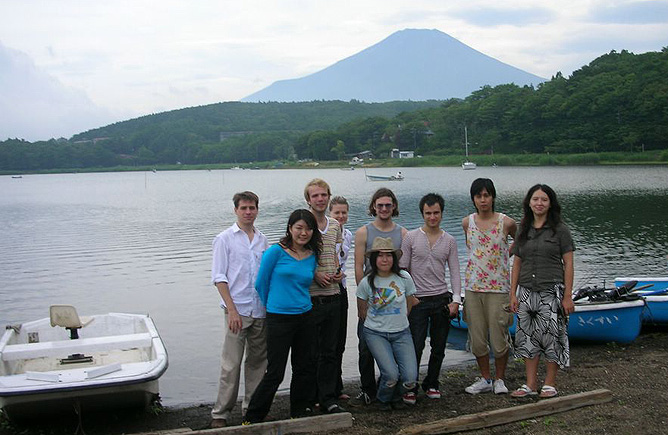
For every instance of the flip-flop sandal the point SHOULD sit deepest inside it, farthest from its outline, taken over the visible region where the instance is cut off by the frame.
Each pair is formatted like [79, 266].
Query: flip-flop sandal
[523, 391]
[548, 391]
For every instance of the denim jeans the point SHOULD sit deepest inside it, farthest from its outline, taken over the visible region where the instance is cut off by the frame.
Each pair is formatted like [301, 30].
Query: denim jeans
[294, 334]
[395, 355]
[432, 315]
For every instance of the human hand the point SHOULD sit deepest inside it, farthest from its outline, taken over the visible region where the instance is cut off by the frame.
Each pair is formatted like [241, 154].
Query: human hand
[514, 304]
[234, 321]
[568, 305]
[454, 309]
[338, 276]
[323, 279]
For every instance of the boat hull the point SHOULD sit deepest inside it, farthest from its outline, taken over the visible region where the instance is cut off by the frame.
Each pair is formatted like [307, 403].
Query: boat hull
[656, 309]
[126, 359]
[383, 178]
[596, 322]
[606, 322]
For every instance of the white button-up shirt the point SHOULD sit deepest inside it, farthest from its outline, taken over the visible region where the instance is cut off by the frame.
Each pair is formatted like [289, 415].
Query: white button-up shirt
[236, 261]
[342, 250]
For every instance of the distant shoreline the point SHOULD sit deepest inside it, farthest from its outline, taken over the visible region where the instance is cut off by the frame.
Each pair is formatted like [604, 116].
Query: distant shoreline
[648, 158]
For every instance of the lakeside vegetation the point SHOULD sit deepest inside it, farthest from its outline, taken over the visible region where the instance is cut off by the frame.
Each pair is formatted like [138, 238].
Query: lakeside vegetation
[588, 159]
[616, 104]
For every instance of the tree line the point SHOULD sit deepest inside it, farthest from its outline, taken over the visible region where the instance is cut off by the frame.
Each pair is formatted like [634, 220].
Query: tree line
[619, 102]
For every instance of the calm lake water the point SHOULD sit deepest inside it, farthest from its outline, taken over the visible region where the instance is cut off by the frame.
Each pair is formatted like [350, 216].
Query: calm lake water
[141, 242]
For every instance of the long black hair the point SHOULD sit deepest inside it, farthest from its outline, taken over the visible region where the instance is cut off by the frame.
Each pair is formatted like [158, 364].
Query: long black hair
[553, 213]
[374, 268]
[315, 244]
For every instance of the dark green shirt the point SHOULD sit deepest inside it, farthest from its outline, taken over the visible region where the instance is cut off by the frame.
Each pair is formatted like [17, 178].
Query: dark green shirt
[541, 255]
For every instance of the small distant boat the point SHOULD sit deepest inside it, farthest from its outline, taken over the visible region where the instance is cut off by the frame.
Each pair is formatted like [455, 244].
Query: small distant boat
[396, 177]
[17, 176]
[655, 293]
[64, 361]
[467, 165]
[351, 168]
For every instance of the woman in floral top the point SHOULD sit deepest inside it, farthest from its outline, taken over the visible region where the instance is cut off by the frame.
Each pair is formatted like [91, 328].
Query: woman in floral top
[487, 285]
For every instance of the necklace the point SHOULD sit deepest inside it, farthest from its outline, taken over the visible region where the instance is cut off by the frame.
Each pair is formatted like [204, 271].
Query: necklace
[301, 254]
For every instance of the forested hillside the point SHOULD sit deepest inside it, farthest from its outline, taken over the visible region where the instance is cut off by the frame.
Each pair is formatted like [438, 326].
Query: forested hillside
[619, 102]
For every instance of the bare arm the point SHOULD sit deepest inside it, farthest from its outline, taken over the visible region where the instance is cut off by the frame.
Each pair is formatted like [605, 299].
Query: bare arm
[360, 248]
[465, 227]
[411, 301]
[567, 302]
[514, 280]
[362, 307]
[233, 317]
[509, 227]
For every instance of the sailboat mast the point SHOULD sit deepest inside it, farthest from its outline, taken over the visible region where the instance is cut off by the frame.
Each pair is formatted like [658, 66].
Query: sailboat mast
[466, 142]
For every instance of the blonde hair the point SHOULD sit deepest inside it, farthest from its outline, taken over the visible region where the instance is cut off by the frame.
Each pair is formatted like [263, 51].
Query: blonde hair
[319, 182]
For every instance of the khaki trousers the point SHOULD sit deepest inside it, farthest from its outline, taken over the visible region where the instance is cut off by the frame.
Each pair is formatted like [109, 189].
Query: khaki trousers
[253, 340]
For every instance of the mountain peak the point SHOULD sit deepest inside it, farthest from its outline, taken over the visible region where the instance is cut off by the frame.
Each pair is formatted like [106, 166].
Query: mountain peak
[410, 64]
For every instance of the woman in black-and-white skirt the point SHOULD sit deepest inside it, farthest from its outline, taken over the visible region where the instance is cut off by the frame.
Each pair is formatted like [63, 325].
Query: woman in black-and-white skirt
[541, 290]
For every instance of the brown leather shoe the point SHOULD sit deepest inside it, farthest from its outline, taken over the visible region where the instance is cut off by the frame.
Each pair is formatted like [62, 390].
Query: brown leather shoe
[218, 422]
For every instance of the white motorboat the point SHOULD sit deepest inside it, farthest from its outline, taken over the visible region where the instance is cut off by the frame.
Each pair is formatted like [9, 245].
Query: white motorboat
[64, 362]
[396, 177]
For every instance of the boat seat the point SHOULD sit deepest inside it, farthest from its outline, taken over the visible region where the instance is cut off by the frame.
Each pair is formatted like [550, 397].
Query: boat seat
[66, 316]
[63, 348]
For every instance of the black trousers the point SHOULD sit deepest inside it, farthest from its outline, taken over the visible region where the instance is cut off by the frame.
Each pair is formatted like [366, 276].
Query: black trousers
[341, 342]
[326, 315]
[287, 333]
[431, 314]
[366, 364]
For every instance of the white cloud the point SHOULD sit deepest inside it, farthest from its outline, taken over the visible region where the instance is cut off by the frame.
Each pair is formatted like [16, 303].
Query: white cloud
[36, 106]
[144, 56]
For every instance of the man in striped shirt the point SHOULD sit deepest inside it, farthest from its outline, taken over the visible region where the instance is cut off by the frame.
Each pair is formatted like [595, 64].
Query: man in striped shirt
[426, 252]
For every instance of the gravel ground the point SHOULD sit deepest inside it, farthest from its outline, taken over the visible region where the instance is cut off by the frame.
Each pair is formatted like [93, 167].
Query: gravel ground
[637, 375]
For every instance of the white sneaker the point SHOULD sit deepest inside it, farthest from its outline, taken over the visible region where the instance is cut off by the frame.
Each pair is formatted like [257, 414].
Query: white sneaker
[481, 385]
[500, 387]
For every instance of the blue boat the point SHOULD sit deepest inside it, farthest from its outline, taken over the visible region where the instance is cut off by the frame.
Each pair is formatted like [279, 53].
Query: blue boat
[599, 322]
[656, 297]
[603, 322]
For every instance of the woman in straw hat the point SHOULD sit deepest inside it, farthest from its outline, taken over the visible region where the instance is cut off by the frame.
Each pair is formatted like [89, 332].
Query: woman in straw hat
[384, 299]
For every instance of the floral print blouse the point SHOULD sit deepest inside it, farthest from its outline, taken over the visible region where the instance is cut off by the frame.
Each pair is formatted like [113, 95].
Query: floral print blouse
[488, 268]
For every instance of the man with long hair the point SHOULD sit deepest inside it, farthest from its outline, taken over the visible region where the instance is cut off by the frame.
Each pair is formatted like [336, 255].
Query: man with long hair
[383, 207]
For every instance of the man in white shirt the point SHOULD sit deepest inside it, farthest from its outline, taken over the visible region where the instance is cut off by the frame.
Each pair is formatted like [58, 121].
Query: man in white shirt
[237, 252]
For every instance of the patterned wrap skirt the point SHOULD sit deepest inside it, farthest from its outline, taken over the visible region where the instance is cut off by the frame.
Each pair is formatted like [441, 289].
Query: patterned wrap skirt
[542, 326]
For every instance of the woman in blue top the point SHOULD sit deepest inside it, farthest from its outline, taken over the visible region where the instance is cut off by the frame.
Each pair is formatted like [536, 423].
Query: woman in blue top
[384, 299]
[286, 272]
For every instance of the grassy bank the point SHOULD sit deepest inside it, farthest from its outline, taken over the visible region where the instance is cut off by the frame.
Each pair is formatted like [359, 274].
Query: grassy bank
[588, 159]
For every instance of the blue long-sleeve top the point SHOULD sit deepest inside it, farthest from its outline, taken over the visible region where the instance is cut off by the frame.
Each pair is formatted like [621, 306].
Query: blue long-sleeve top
[283, 281]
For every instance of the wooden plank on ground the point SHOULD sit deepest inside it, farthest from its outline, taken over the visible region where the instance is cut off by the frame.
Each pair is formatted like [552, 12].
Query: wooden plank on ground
[320, 423]
[509, 415]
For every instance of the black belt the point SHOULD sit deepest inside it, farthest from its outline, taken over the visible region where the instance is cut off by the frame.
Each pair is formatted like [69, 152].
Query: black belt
[321, 300]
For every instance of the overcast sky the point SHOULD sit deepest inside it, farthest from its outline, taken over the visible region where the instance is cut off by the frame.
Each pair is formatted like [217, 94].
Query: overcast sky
[71, 65]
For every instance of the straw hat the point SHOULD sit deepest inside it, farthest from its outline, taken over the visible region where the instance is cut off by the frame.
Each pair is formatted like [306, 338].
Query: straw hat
[383, 244]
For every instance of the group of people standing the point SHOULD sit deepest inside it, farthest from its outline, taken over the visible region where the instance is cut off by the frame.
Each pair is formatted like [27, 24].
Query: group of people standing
[291, 299]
